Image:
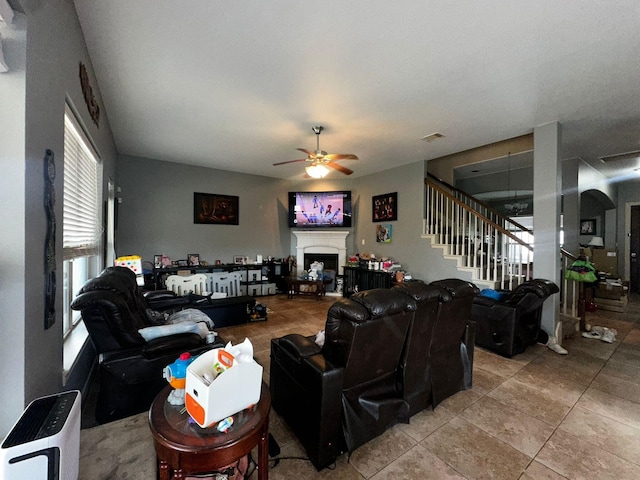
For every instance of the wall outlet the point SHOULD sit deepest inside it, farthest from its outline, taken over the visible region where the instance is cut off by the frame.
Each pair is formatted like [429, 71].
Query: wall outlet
[363, 241]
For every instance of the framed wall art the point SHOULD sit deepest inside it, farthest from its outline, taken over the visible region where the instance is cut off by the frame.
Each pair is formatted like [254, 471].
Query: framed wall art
[384, 233]
[215, 209]
[385, 207]
[588, 226]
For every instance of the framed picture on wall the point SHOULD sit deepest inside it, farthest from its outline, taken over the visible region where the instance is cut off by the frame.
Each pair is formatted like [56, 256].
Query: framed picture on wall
[215, 209]
[588, 226]
[385, 207]
[384, 233]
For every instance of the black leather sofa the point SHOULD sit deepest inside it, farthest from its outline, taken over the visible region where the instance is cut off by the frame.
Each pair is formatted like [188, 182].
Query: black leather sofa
[130, 368]
[376, 367]
[509, 325]
[438, 359]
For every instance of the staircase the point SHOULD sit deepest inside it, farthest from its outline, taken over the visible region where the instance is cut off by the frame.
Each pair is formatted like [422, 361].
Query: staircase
[495, 249]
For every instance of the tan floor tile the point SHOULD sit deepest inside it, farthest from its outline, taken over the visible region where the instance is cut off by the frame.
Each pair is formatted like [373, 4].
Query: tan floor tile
[474, 453]
[633, 337]
[494, 363]
[589, 347]
[622, 370]
[565, 367]
[537, 471]
[459, 401]
[530, 400]
[551, 385]
[418, 463]
[618, 387]
[626, 353]
[523, 432]
[610, 406]
[424, 423]
[610, 435]
[376, 454]
[577, 459]
[484, 380]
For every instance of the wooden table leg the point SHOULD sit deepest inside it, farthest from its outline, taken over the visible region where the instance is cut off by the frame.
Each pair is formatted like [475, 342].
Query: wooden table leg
[163, 470]
[263, 454]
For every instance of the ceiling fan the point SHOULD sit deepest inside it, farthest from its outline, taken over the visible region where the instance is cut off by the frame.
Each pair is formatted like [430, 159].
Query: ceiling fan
[320, 159]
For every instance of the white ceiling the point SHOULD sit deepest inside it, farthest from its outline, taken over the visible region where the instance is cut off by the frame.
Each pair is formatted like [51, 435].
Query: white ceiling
[237, 84]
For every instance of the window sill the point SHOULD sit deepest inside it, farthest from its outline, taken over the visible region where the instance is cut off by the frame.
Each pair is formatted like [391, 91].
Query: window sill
[72, 347]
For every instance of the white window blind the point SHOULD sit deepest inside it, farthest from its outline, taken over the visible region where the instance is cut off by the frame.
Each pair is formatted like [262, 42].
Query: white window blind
[81, 211]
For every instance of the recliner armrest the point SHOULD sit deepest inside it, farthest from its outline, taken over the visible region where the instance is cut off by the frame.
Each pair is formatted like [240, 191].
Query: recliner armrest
[299, 345]
[162, 345]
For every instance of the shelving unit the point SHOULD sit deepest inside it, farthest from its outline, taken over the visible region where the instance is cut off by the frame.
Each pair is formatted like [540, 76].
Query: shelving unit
[357, 279]
[255, 279]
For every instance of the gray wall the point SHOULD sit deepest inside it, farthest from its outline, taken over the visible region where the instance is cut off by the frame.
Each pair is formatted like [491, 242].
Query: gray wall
[156, 214]
[43, 52]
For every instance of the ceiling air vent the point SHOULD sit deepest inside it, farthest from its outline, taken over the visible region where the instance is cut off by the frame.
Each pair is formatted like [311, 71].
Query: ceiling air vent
[432, 137]
[620, 156]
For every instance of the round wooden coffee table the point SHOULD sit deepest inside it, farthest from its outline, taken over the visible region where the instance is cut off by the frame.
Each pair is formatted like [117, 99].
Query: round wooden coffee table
[184, 448]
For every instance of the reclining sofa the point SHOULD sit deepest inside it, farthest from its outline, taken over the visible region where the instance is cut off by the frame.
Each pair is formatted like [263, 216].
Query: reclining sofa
[130, 368]
[507, 326]
[388, 354]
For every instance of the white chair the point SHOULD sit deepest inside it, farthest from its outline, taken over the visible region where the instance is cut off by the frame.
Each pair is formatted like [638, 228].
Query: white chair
[185, 284]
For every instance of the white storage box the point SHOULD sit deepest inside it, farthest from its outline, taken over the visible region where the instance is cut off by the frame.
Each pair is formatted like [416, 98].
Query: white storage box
[254, 289]
[268, 289]
[254, 275]
[231, 391]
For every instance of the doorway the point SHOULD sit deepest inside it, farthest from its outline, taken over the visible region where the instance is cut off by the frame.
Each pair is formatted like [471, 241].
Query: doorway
[634, 250]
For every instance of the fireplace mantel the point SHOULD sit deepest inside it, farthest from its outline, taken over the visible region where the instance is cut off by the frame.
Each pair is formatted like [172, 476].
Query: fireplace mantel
[324, 241]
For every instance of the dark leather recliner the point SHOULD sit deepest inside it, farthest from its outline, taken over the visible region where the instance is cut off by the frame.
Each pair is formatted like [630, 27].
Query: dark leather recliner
[340, 396]
[438, 357]
[453, 341]
[130, 368]
[509, 325]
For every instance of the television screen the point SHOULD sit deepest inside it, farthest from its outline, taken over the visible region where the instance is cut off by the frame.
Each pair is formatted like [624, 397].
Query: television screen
[320, 209]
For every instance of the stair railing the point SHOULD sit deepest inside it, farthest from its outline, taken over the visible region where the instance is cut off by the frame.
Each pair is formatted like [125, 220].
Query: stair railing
[488, 242]
[491, 242]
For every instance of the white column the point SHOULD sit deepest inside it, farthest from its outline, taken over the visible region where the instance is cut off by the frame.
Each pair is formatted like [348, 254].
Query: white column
[547, 181]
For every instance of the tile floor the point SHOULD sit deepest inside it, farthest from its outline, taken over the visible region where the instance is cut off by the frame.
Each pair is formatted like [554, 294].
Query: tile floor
[539, 415]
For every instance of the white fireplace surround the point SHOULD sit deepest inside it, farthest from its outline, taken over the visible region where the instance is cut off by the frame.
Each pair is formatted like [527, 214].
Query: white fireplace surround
[324, 241]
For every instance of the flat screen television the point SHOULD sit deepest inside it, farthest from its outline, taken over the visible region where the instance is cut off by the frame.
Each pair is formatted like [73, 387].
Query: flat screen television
[327, 209]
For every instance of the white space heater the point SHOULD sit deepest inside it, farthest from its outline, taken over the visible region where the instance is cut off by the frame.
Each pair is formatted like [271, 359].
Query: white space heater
[45, 442]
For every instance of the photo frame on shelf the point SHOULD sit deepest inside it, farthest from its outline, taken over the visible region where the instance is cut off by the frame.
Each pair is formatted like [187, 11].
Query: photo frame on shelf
[183, 263]
[239, 259]
[157, 261]
[588, 226]
[384, 207]
[213, 209]
[193, 259]
[384, 232]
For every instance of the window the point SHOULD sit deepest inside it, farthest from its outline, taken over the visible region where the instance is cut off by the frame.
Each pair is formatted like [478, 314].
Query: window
[81, 225]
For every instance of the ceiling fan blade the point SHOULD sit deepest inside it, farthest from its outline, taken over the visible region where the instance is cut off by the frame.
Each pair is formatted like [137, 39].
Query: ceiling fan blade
[341, 156]
[290, 161]
[308, 152]
[340, 168]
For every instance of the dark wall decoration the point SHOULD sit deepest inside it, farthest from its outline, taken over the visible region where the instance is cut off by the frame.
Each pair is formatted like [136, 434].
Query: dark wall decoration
[385, 207]
[89, 97]
[215, 209]
[50, 240]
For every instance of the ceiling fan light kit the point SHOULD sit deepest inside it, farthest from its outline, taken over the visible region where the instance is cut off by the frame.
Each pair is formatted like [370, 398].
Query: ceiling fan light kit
[317, 170]
[321, 160]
